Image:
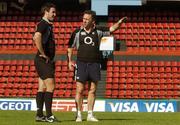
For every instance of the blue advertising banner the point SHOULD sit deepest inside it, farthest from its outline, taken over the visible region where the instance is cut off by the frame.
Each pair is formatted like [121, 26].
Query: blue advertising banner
[140, 105]
[15, 105]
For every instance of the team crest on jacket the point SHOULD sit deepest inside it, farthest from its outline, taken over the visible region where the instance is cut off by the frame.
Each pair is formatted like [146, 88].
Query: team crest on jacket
[83, 33]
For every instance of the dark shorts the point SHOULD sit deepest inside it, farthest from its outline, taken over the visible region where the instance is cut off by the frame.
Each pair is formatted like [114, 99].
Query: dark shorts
[44, 70]
[88, 72]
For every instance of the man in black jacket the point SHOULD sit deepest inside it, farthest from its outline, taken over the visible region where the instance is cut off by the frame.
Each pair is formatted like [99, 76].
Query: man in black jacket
[86, 40]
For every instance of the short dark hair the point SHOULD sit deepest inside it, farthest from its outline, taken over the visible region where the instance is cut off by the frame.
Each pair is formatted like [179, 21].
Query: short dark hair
[46, 7]
[92, 13]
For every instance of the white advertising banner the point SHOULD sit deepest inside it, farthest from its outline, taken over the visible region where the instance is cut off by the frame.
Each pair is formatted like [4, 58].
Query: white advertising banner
[69, 105]
[58, 105]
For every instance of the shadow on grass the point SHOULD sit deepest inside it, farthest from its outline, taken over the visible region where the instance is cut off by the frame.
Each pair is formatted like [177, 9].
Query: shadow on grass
[104, 119]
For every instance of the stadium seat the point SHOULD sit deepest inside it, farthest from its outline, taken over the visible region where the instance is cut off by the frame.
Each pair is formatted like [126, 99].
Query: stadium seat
[108, 93]
[108, 86]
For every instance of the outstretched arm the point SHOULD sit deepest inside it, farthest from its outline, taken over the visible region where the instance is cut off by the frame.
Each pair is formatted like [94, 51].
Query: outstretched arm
[117, 24]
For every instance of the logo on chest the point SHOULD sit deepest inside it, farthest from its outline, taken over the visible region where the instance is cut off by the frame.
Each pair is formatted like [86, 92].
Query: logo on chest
[88, 40]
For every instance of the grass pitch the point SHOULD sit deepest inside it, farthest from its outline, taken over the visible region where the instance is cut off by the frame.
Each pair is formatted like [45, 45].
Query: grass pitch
[106, 118]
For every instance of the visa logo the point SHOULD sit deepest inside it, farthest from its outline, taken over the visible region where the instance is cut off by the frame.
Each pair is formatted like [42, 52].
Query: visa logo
[124, 107]
[159, 107]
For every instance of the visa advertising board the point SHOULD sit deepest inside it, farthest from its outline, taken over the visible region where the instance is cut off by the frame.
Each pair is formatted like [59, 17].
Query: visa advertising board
[140, 106]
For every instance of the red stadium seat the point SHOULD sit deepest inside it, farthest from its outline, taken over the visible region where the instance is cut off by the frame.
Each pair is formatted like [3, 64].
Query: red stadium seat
[108, 86]
[109, 74]
[109, 63]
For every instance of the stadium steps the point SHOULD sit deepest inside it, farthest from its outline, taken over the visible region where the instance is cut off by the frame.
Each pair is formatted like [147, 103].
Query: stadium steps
[101, 85]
